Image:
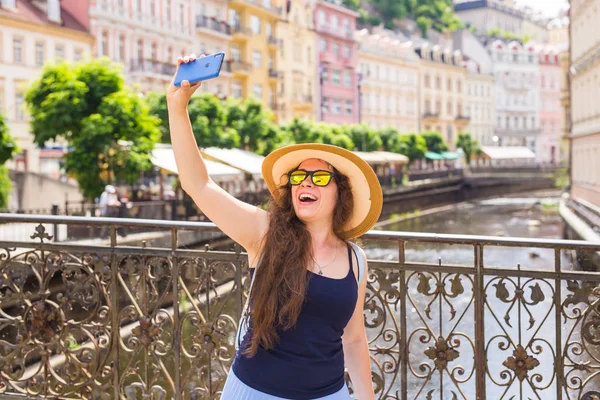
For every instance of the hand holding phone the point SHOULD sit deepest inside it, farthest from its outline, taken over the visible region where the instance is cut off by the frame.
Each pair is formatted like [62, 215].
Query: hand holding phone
[200, 69]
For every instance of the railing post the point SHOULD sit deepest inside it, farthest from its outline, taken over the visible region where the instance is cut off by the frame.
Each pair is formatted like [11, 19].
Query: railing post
[55, 226]
[480, 356]
[558, 369]
[173, 209]
[403, 344]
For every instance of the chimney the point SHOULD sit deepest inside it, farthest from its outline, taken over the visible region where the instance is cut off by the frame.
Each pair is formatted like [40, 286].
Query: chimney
[49, 7]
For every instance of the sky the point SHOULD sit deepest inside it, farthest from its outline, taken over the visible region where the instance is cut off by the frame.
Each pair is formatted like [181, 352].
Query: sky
[549, 8]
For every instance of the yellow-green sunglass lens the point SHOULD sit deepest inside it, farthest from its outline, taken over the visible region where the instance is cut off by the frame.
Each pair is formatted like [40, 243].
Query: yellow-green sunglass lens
[297, 177]
[321, 178]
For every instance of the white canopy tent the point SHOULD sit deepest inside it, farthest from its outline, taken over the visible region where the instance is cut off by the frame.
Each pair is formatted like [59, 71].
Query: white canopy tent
[512, 155]
[246, 161]
[163, 157]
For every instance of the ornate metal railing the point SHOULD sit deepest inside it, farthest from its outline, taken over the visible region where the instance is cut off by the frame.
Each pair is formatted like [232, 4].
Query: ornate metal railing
[447, 316]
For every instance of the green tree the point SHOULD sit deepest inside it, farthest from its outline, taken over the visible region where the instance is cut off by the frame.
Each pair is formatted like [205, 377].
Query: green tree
[208, 118]
[469, 144]
[7, 149]
[412, 146]
[107, 125]
[364, 137]
[301, 131]
[254, 125]
[434, 141]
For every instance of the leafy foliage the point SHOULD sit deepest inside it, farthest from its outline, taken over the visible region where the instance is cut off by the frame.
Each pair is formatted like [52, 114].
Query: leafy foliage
[429, 14]
[7, 149]
[107, 125]
[469, 144]
[434, 141]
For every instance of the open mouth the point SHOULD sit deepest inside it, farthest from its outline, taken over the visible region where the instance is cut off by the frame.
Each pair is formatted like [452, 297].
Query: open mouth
[306, 198]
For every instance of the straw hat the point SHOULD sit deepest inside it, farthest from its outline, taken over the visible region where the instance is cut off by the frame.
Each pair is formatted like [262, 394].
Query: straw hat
[368, 198]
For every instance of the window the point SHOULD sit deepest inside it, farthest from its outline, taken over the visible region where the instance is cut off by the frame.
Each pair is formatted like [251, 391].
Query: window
[235, 53]
[181, 14]
[153, 8]
[153, 50]
[39, 54]
[140, 49]
[104, 44]
[337, 106]
[336, 49]
[515, 57]
[19, 104]
[78, 54]
[121, 47]
[346, 25]
[336, 77]
[18, 50]
[9, 3]
[348, 108]
[334, 21]
[54, 10]
[139, 5]
[449, 84]
[531, 59]
[348, 78]
[450, 134]
[449, 108]
[325, 75]
[256, 58]
[533, 122]
[346, 52]
[325, 105]
[552, 127]
[168, 11]
[257, 91]
[309, 55]
[427, 81]
[459, 86]
[438, 107]
[236, 89]
[255, 24]
[169, 54]
[59, 52]
[438, 82]
[323, 45]
[321, 18]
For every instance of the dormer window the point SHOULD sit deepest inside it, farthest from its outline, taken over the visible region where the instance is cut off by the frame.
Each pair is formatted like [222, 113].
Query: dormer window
[54, 10]
[12, 4]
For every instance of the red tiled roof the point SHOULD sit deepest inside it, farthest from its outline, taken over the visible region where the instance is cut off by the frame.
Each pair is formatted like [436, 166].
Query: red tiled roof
[26, 11]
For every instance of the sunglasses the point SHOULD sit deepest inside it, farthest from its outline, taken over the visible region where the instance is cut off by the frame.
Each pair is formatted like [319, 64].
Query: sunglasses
[319, 178]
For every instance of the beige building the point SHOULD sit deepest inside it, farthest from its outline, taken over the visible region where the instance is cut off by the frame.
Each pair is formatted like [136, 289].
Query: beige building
[214, 33]
[585, 86]
[296, 60]
[146, 36]
[389, 85]
[479, 100]
[442, 92]
[33, 33]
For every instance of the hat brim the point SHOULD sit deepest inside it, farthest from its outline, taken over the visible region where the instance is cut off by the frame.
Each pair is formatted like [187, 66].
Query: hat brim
[366, 190]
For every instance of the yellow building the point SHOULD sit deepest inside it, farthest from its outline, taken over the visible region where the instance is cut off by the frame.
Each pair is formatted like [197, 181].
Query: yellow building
[253, 49]
[296, 62]
[442, 94]
[389, 85]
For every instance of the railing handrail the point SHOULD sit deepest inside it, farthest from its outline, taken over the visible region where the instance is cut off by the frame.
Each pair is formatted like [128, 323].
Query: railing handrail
[444, 238]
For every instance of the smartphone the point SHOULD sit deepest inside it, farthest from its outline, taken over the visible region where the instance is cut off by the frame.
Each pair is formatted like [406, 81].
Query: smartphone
[200, 69]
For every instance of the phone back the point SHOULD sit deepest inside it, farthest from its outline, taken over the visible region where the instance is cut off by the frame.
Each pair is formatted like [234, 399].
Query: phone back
[200, 69]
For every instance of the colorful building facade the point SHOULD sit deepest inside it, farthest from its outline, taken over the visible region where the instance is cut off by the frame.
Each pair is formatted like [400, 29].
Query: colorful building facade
[296, 61]
[214, 34]
[442, 92]
[389, 88]
[30, 36]
[585, 114]
[551, 115]
[146, 36]
[337, 60]
[253, 49]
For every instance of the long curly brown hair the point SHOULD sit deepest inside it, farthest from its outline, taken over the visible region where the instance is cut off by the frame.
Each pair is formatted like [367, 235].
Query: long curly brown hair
[281, 278]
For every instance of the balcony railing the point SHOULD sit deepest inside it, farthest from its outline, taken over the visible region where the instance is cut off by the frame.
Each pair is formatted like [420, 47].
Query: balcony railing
[241, 66]
[241, 29]
[202, 21]
[429, 114]
[463, 118]
[335, 31]
[273, 73]
[467, 317]
[273, 40]
[152, 66]
[266, 5]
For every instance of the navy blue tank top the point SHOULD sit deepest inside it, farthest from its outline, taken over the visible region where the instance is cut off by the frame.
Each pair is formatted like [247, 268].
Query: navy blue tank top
[308, 361]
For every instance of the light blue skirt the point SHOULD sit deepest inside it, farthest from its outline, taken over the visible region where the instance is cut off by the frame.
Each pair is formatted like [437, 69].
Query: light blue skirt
[237, 390]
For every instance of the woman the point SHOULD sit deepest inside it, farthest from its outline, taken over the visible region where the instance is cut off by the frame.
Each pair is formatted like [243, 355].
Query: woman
[306, 318]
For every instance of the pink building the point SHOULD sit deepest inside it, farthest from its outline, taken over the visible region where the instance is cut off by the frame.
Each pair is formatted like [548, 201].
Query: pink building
[551, 115]
[146, 36]
[337, 92]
